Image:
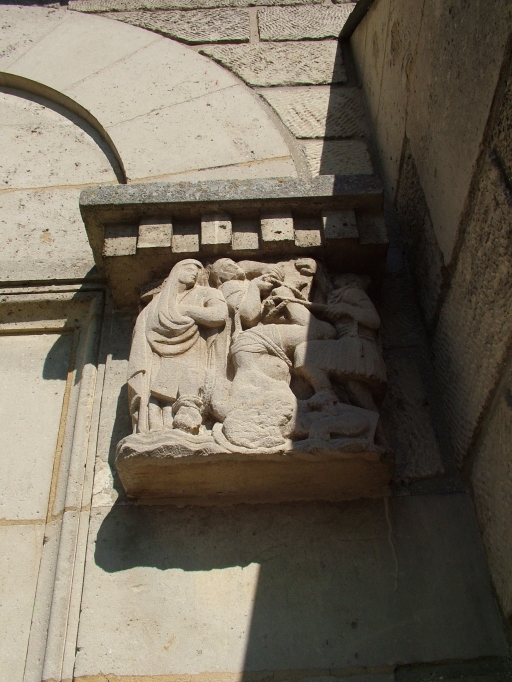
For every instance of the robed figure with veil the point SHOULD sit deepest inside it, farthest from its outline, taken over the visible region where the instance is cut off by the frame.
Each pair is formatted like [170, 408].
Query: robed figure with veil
[177, 340]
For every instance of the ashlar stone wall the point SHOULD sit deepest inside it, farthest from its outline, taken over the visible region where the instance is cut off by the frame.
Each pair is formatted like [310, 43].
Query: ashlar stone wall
[437, 84]
[287, 51]
[95, 586]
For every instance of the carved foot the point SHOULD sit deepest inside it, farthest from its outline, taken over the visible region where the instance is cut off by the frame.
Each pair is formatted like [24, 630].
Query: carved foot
[188, 419]
[322, 400]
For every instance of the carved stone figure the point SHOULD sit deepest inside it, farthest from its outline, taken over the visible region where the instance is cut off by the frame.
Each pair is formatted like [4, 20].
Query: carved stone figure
[173, 352]
[214, 353]
[354, 359]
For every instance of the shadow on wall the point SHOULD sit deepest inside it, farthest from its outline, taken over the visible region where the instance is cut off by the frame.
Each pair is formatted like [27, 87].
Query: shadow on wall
[340, 585]
[343, 149]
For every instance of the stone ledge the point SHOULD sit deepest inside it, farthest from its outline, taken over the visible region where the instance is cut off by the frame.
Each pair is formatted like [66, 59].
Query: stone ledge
[208, 473]
[317, 210]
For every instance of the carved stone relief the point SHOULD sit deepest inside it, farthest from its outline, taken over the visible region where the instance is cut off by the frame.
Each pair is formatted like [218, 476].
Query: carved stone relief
[255, 359]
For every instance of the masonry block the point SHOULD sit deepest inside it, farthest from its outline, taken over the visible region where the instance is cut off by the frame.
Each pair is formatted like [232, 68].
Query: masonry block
[154, 232]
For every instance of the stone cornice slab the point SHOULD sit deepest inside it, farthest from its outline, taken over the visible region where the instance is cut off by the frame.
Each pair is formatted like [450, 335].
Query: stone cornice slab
[137, 232]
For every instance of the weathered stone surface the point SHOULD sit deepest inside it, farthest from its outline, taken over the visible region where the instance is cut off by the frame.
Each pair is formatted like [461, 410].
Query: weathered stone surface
[128, 204]
[172, 196]
[56, 59]
[45, 145]
[319, 111]
[308, 232]
[212, 26]
[340, 225]
[43, 236]
[246, 235]
[292, 23]
[503, 127]
[424, 254]
[277, 582]
[186, 238]
[22, 35]
[474, 331]
[276, 227]
[215, 229]
[492, 484]
[164, 94]
[120, 240]
[20, 554]
[329, 157]
[202, 477]
[154, 233]
[312, 63]
[384, 45]
[206, 428]
[408, 422]
[446, 152]
[33, 373]
[119, 5]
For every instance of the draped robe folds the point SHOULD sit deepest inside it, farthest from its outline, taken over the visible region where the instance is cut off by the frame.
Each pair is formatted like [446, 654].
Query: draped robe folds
[171, 356]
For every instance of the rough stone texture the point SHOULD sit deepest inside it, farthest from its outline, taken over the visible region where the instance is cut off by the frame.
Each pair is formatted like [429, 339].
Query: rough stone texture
[408, 420]
[491, 472]
[186, 238]
[292, 23]
[474, 332]
[45, 146]
[212, 26]
[492, 482]
[288, 587]
[206, 429]
[384, 47]
[330, 157]
[164, 94]
[119, 5]
[33, 372]
[424, 254]
[340, 225]
[327, 191]
[20, 554]
[311, 112]
[154, 233]
[215, 229]
[276, 227]
[308, 232]
[502, 128]
[407, 60]
[313, 63]
[22, 35]
[446, 152]
[43, 236]
[120, 240]
[246, 235]
[410, 409]
[126, 205]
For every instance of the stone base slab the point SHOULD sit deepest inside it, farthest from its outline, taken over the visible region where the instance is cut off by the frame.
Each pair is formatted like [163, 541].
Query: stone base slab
[205, 473]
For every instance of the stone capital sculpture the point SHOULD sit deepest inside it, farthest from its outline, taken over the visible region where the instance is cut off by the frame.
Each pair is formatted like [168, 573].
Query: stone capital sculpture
[255, 360]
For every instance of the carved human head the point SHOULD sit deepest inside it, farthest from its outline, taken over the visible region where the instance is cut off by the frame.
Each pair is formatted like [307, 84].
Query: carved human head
[188, 272]
[225, 270]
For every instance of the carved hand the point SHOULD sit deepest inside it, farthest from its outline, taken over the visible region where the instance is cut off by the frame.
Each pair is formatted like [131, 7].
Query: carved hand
[336, 311]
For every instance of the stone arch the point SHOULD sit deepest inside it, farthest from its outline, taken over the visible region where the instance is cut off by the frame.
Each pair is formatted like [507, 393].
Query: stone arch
[167, 110]
[157, 109]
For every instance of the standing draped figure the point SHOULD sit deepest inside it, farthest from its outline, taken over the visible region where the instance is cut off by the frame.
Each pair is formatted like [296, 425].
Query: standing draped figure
[172, 360]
